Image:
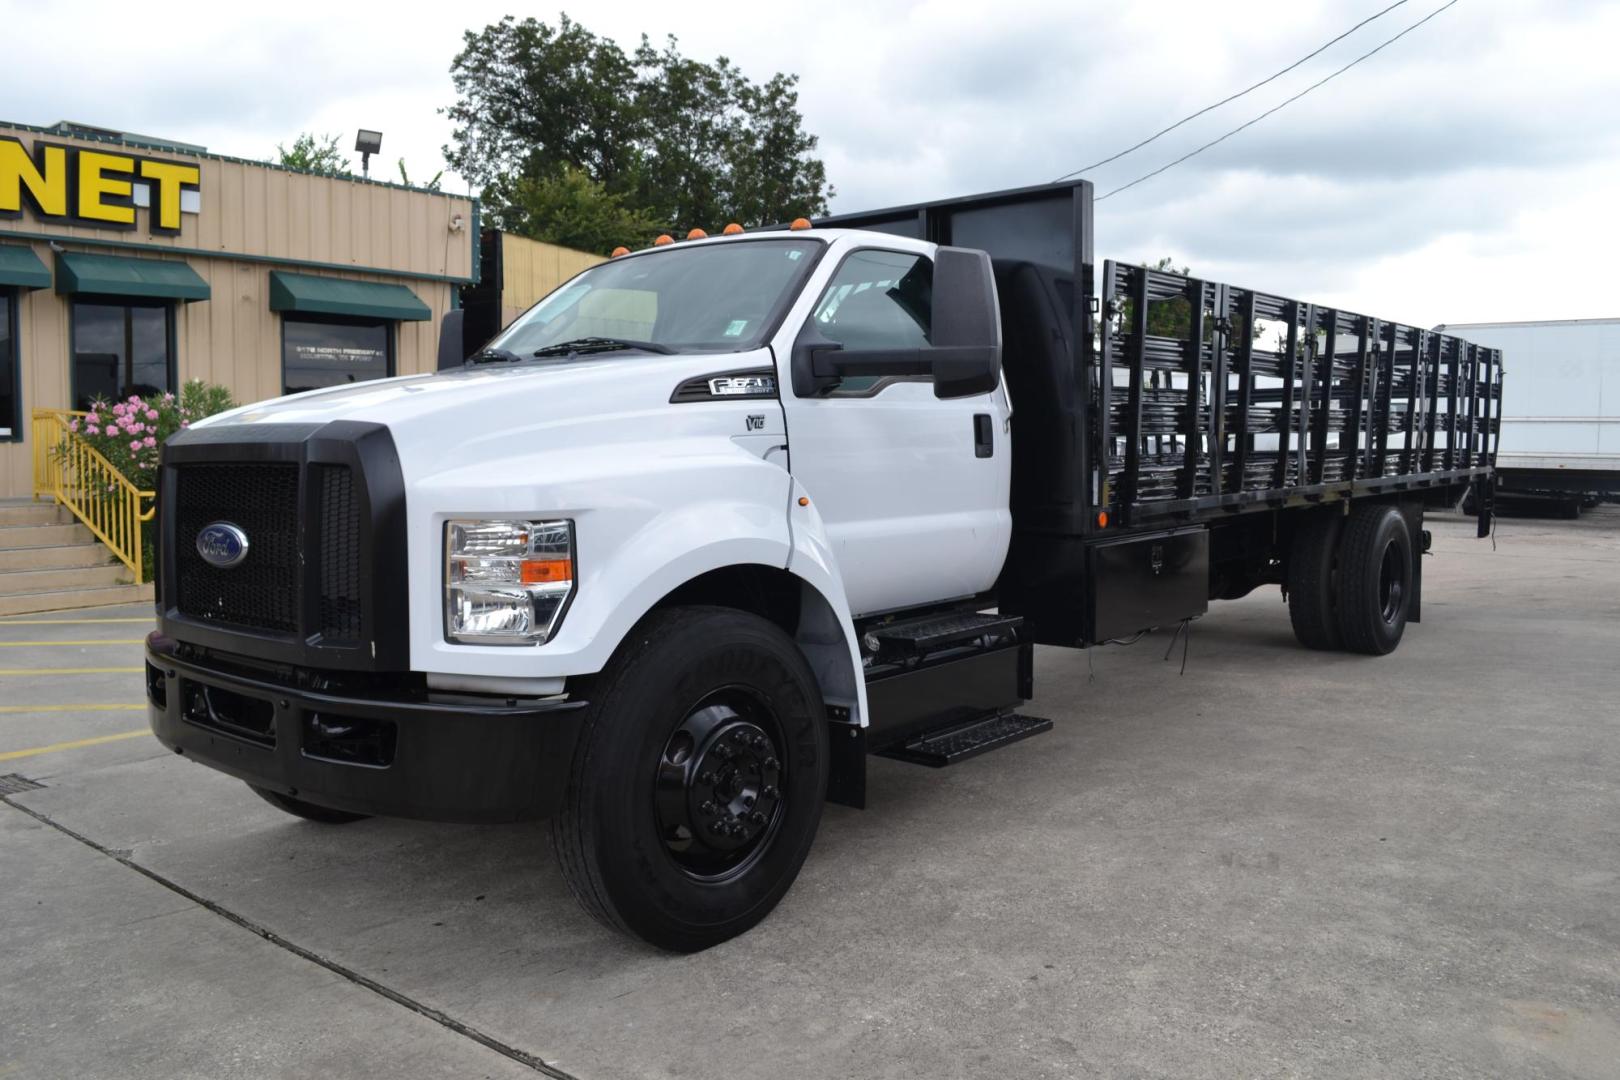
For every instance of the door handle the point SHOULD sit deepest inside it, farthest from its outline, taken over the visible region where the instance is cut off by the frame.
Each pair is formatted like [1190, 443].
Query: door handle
[984, 437]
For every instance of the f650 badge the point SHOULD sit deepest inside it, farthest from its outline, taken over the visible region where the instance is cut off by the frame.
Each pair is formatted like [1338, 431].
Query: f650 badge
[222, 544]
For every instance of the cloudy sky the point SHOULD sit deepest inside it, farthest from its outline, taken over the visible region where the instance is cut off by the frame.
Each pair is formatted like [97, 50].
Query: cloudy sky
[1467, 172]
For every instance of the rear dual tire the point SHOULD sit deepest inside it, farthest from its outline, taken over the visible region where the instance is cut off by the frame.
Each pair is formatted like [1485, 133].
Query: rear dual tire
[1351, 579]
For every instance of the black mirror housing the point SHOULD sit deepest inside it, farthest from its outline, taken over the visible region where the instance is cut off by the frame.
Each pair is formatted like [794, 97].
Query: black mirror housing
[452, 347]
[966, 324]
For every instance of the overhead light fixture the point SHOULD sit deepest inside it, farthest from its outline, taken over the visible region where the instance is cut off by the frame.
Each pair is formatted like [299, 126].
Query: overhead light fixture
[366, 144]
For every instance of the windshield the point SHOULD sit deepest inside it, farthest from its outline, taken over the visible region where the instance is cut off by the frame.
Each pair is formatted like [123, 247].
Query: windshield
[713, 297]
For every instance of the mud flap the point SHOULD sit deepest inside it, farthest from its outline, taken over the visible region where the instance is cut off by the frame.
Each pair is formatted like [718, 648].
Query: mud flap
[1484, 505]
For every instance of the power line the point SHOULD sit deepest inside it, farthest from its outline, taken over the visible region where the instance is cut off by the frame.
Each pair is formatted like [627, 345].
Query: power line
[1234, 97]
[1275, 108]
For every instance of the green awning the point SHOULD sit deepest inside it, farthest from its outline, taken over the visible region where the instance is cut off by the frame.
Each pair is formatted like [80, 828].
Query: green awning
[22, 268]
[116, 275]
[340, 296]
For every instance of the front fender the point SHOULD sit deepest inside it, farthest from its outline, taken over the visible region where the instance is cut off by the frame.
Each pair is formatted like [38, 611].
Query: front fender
[673, 515]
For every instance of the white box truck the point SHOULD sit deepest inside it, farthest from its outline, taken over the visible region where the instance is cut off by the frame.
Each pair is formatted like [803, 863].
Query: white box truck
[1561, 418]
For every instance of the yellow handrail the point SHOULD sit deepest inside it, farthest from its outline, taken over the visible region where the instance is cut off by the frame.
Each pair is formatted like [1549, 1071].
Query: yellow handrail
[77, 476]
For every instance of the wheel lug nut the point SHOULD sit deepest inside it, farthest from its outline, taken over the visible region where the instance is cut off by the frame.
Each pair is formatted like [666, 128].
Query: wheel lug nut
[707, 807]
[706, 777]
[770, 791]
[770, 763]
[757, 818]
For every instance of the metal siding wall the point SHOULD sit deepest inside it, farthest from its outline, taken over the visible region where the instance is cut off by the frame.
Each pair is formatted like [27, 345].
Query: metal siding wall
[42, 332]
[531, 269]
[234, 338]
[255, 209]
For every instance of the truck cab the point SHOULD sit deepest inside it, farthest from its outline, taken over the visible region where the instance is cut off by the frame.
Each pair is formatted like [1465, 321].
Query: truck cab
[408, 597]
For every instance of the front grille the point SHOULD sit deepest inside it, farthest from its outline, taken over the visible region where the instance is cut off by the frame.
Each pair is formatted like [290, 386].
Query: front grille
[262, 500]
[339, 552]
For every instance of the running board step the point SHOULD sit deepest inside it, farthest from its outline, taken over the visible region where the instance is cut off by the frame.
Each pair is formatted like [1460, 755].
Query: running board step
[926, 635]
[949, 745]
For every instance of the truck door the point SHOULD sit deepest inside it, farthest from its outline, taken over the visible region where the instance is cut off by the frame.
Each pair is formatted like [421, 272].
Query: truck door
[913, 489]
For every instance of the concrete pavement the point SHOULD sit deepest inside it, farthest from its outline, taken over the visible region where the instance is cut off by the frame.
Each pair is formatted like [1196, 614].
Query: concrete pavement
[1282, 864]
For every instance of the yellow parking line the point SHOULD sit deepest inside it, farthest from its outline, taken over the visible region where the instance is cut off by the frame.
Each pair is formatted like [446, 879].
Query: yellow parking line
[70, 708]
[12, 755]
[70, 671]
[94, 641]
[68, 622]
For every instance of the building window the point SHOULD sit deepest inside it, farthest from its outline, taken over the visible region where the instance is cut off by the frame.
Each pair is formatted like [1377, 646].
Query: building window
[121, 347]
[319, 351]
[11, 421]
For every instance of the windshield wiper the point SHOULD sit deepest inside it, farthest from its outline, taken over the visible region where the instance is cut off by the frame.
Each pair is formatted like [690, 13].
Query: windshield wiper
[493, 355]
[600, 344]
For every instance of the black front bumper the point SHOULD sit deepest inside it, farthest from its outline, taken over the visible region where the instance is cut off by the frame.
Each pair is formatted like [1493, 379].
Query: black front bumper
[396, 757]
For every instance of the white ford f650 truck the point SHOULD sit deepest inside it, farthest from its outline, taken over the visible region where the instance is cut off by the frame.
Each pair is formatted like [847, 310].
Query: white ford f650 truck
[672, 554]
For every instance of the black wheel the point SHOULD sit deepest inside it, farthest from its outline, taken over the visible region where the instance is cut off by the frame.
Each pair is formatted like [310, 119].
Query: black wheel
[698, 782]
[1311, 581]
[1375, 579]
[306, 810]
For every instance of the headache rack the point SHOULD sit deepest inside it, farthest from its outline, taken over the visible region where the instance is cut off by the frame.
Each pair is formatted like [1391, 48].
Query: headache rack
[1216, 399]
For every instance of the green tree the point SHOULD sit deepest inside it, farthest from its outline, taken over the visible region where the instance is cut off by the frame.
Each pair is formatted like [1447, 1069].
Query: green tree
[675, 140]
[314, 153]
[571, 209]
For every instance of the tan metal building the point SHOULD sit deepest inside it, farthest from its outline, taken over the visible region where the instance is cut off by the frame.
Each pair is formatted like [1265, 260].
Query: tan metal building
[130, 265]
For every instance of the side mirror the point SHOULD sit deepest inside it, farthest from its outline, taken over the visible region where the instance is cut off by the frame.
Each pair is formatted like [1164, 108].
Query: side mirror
[452, 347]
[964, 353]
[966, 324]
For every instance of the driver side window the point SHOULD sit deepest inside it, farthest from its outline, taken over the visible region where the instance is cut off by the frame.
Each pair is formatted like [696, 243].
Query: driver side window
[877, 300]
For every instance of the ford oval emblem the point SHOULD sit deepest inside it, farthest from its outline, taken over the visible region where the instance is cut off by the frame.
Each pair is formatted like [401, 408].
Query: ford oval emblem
[222, 544]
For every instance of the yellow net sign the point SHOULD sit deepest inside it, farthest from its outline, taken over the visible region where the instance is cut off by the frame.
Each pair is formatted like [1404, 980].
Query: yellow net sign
[73, 185]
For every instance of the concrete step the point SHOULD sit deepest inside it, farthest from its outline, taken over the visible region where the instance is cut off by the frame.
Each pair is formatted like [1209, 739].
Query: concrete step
[30, 536]
[66, 599]
[55, 557]
[80, 577]
[33, 513]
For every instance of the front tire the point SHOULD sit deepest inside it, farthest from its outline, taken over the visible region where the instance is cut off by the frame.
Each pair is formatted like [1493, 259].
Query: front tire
[698, 781]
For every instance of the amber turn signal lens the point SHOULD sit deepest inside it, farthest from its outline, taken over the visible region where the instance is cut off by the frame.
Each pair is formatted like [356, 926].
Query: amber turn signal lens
[663, 239]
[697, 234]
[546, 571]
[803, 501]
[620, 250]
[800, 223]
[731, 230]
[1102, 519]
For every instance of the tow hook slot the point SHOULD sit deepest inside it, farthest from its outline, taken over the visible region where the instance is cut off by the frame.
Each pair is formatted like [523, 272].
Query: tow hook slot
[237, 715]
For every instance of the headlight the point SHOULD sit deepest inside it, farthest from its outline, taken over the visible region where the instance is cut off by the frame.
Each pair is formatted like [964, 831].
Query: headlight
[506, 582]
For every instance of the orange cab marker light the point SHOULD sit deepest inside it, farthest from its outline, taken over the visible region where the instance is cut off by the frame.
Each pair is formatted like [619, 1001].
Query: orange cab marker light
[731, 230]
[697, 234]
[803, 501]
[1102, 519]
[664, 238]
[800, 223]
[620, 250]
[545, 571]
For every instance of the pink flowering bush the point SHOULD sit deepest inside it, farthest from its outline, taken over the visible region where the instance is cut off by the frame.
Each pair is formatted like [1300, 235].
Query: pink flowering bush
[131, 434]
